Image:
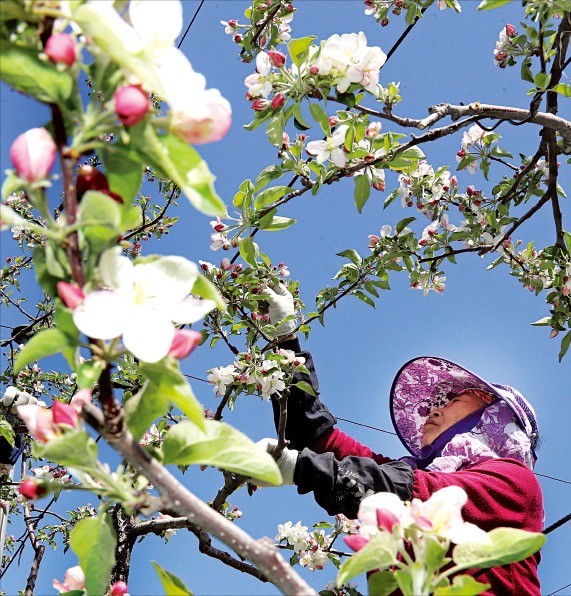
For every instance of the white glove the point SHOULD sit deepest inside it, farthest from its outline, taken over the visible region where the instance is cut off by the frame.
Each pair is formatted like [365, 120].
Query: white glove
[286, 462]
[280, 306]
[13, 398]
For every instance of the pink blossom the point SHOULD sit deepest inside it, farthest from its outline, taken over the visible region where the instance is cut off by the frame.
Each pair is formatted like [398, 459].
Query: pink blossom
[131, 104]
[119, 589]
[82, 397]
[356, 541]
[74, 579]
[32, 489]
[386, 520]
[184, 342]
[278, 101]
[61, 48]
[277, 58]
[510, 30]
[39, 421]
[259, 105]
[33, 154]
[64, 415]
[71, 295]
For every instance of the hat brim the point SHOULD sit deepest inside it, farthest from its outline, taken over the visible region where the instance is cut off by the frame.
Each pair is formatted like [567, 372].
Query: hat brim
[427, 382]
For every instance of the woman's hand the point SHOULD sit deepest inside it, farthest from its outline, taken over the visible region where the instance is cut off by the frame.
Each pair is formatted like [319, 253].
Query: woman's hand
[281, 306]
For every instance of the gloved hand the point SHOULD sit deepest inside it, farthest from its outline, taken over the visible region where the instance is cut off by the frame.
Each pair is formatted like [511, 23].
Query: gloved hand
[280, 306]
[13, 398]
[286, 462]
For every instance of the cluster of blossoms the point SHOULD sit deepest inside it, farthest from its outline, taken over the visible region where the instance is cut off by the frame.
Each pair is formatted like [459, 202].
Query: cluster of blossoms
[506, 47]
[428, 187]
[377, 242]
[219, 238]
[375, 174]
[472, 143]
[250, 374]
[153, 437]
[347, 59]
[330, 149]
[381, 8]
[439, 515]
[311, 549]
[427, 281]
[48, 473]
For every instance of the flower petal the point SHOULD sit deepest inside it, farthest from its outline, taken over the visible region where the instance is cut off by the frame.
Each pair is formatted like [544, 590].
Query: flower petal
[102, 315]
[168, 279]
[148, 335]
[116, 271]
[158, 22]
[191, 310]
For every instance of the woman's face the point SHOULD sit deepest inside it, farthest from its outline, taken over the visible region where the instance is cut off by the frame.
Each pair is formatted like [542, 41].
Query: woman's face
[441, 419]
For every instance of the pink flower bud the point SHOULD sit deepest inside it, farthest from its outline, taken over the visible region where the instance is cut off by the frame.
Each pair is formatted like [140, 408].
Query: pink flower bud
[39, 422]
[82, 397]
[61, 48]
[379, 185]
[64, 415]
[32, 489]
[314, 70]
[333, 120]
[184, 342]
[237, 38]
[118, 589]
[131, 104]
[278, 101]
[277, 58]
[259, 105]
[384, 22]
[226, 264]
[70, 295]
[500, 56]
[356, 541]
[232, 23]
[285, 140]
[33, 154]
[386, 520]
[510, 30]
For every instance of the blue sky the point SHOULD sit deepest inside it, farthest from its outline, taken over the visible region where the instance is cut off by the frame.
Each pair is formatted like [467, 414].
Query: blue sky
[481, 321]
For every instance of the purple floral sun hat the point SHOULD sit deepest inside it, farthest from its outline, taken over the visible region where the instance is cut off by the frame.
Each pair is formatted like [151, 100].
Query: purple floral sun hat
[429, 382]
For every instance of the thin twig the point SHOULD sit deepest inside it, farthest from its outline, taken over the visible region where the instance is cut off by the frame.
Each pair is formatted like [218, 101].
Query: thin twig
[154, 221]
[223, 402]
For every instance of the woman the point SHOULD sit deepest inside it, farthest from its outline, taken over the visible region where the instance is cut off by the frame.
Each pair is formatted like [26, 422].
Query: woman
[459, 429]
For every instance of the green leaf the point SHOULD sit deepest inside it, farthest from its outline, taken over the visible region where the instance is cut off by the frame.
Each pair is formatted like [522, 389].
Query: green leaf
[124, 171]
[219, 445]
[270, 195]
[99, 209]
[364, 298]
[382, 583]
[249, 251]
[73, 449]
[304, 386]
[275, 130]
[490, 4]
[45, 343]
[166, 382]
[267, 175]
[562, 88]
[352, 255]
[204, 288]
[403, 223]
[298, 47]
[180, 162]
[275, 223]
[88, 373]
[378, 554]
[542, 80]
[508, 546]
[406, 160]
[565, 342]
[7, 432]
[172, 585]
[93, 540]
[22, 69]
[320, 117]
[462, 585]
[362, 191]
[12, 183]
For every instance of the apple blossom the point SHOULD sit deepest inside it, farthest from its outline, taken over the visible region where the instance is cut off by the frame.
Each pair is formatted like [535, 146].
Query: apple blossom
[278, 101]
[141, 302]
[277, 58]
[198, 115]
[441, 515]
[61, 48]
[131, 104]
[259, 84]
[259, 105]
[39, 421]
[32, 489]
[74, 579]
[71, 295]
[119, 589]
[33, 154]
[82, 397]
[64, 415]
[392, 512]
[184, 343]
[221, 377]
[330, 148]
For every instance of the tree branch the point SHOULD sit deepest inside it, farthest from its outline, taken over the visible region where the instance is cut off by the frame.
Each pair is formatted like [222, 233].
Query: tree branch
[263, 555]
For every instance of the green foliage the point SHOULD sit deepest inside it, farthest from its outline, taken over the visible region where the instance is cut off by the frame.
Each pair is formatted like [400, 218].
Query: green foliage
[463, 585]
[93, 540]
[74, 449]
[45, 343]
[379, 553]
[382, 583]
[172, 585]
[219, 445]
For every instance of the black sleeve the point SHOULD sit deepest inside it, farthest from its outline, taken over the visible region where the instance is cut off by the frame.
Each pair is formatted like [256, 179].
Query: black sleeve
[339, 486]
[8, 454]
[307, 418]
